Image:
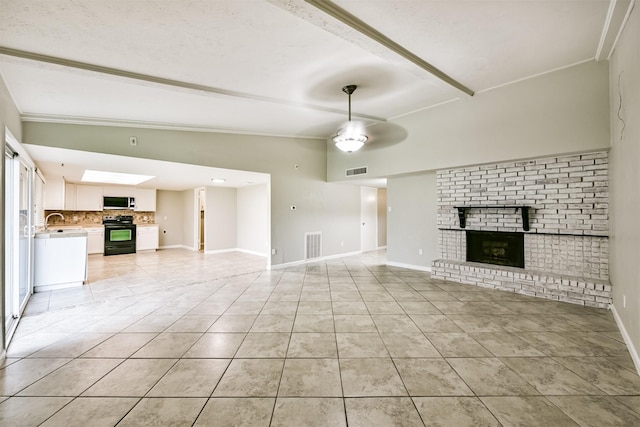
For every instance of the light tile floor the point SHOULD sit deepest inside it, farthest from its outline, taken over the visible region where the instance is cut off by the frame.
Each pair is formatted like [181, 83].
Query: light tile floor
[181, 338]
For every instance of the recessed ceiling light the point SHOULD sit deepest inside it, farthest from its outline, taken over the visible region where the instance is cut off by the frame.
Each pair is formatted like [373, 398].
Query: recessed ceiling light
[114, 177]
[218, 180]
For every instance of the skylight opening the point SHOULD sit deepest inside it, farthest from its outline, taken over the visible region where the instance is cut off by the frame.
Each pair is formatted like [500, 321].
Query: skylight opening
[114, 177]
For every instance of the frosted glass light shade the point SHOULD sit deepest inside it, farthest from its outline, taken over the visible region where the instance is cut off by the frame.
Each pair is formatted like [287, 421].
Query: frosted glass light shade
[350, 137]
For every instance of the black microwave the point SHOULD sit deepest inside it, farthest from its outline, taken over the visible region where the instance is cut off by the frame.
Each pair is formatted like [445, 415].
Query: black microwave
[118, 203]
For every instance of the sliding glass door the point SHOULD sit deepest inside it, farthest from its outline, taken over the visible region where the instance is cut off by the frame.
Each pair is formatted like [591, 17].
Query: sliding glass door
[24, 232]
[19, 232]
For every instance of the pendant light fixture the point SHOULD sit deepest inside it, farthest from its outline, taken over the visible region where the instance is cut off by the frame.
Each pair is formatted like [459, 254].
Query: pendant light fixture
[350, 137]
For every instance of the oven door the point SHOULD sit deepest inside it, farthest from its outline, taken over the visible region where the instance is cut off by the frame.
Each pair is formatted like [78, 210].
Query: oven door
[119, 239]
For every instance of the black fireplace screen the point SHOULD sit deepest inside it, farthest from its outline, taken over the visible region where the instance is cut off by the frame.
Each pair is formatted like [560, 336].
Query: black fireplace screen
[499, 248]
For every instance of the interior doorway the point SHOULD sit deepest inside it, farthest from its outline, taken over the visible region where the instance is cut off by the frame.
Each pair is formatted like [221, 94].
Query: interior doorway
[368, 219]
[201, 221]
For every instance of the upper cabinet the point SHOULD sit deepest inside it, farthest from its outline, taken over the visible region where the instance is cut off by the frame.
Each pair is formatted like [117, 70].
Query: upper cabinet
[88, 198]
[70, 196]
[145, 200]
[61, 195]
[117, 191]
[54, 194]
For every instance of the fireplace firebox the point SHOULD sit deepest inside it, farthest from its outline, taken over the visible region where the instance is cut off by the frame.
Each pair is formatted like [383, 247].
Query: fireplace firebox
[500, 248]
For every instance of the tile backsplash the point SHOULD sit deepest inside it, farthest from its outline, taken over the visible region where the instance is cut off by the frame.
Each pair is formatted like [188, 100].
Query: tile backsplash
[93, 217]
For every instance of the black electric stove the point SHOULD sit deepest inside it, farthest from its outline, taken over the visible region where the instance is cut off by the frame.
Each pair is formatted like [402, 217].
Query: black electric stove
[119, 234]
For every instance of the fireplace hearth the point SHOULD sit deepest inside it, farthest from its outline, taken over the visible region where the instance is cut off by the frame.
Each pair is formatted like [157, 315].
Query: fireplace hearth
[499, 248]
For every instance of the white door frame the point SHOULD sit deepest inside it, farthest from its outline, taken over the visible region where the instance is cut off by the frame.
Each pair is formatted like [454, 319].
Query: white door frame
[366, 193]
[196, 217]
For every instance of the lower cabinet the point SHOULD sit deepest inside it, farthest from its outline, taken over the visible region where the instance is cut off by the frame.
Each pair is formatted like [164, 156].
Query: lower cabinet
[95, 240]
[147, 237]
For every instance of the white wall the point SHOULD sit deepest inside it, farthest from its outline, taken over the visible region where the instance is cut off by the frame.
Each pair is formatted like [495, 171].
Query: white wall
[253, 219]
[411, 224]
[624, 179]
[221, 216]
[561, 112]
[170, 217]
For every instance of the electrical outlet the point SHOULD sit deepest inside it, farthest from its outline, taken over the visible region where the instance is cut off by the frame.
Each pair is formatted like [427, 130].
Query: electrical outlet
[133, 141]
[419, 251]
[341, 243]
[274, 251]
[624, 301]
[389, 209]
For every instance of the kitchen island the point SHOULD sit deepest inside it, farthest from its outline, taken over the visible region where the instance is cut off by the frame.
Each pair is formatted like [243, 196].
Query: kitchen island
[60, 259]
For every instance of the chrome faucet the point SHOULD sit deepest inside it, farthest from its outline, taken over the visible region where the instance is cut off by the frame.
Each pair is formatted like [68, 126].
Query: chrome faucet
[46, 220]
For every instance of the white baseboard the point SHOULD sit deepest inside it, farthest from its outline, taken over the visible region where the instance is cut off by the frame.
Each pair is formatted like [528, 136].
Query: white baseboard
[247, 251]
[220, 251]
[47, 288]
[308, 261]
[343, 255]
[409, 266]
[177, 247]
[627, 339]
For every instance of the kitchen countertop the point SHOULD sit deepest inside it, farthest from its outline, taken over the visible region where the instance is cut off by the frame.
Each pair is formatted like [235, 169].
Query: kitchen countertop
[61, 233]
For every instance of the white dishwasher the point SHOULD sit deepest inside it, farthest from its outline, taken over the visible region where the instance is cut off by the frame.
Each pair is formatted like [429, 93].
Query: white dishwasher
[60, 259]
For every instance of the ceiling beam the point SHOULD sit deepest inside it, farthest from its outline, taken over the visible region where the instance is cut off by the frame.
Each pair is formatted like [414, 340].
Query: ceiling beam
[346, 18]
[617, 16]
[190, 87]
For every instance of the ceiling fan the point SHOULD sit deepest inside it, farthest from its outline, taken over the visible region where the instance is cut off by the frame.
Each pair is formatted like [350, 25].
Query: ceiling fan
[351, 135]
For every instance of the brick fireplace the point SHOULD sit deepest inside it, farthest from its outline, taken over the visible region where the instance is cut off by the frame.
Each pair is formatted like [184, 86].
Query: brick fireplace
[566, 244]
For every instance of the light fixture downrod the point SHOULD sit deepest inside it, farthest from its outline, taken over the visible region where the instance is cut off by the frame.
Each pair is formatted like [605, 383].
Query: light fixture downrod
[350, 137]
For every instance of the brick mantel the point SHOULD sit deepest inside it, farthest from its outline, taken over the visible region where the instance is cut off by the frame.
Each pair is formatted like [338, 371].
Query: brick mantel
[568, 219]
[567, 195]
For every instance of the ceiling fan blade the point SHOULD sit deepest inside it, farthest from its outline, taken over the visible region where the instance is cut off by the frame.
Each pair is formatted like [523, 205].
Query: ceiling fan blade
[383, 135]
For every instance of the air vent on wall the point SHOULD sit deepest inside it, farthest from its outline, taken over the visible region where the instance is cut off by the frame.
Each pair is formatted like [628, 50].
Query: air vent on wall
[356, 171]
[313, 245]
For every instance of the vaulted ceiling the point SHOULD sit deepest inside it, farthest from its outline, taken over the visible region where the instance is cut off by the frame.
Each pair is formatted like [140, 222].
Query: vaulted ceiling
[277, 66]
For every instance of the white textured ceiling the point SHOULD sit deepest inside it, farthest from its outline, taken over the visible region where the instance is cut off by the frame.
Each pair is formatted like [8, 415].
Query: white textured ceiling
[276, 66]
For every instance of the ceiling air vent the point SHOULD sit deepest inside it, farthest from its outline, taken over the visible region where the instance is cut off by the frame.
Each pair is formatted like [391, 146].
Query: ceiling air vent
[356, 171]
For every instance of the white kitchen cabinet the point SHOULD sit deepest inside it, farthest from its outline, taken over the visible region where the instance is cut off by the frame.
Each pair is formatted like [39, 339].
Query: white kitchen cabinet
[54, 194]
[70, 197]
[147, 237]
[145, 200]
[118, 191]
[88, 198]
[95, 239]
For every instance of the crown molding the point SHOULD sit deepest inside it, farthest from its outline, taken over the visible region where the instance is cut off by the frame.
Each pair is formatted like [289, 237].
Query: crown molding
[617, 16]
